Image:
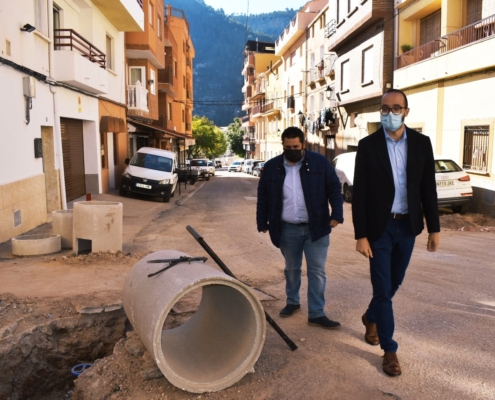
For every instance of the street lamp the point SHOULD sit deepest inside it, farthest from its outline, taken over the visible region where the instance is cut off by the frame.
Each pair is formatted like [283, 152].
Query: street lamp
[328, 92]
[301, 117]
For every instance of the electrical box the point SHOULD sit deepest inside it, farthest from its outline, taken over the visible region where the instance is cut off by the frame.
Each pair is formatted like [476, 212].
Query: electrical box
[29, 86]
[38, 148]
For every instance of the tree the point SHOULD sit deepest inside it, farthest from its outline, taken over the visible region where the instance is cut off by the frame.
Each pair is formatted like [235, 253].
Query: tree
[235, 134]
[210, 141]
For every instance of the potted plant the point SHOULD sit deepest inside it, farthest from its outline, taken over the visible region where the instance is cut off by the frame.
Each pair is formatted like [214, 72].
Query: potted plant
[406, 47]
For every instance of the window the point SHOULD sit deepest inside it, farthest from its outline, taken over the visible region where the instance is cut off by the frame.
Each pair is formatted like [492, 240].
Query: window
[7, 47]
[300, 87]
[292, 58]
[153, 81]
[103, 145]
[344, 78]
[430, 27]
[301, 51]
[474, 11]
[322, 101]
[109, 53]
[137, 74]
[367, 66]
[184, 81]
[476, 148]
[56, 25]
[159, 27]
[115, 148]
[41, 16]
[150, 13]
[175, 68]
[183, 116]
[169, 114]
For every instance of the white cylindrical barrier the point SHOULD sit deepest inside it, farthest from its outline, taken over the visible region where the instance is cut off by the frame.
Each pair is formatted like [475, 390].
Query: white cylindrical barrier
[218, 345]
[97, 226]
[35, 245]
[62, 225]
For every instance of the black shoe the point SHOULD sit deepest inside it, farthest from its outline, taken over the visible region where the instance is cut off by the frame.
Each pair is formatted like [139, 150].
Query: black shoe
[289, 310]
[323, 322]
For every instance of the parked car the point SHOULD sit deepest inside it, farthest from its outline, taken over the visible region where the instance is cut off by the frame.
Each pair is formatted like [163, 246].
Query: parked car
[201, 165]
[453, 185]
[344, 168]
[211, 168]
[150, 172]
[249, 165]
[236, 166]
[258, 169]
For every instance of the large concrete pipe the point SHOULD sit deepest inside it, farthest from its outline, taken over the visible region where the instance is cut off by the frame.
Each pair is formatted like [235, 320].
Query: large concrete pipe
[218, 345]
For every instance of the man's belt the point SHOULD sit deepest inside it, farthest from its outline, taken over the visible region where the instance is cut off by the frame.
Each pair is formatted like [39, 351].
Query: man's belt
[399, 216]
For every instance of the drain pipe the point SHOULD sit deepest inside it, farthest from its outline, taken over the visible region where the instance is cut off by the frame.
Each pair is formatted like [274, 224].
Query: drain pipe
[57, 131]
[217, 345]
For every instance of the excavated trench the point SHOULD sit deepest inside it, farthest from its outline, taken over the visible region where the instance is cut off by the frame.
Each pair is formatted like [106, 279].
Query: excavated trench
[42, 340]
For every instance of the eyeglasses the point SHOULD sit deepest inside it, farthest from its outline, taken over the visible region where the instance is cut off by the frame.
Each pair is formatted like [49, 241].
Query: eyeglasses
[396, 110]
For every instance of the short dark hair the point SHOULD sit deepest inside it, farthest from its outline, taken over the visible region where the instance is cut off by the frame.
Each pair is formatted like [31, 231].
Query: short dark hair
[293, 132]
[397, 91]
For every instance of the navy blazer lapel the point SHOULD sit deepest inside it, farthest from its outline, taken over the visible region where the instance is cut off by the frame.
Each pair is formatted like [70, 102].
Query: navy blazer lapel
[382, 152]
[412, 147]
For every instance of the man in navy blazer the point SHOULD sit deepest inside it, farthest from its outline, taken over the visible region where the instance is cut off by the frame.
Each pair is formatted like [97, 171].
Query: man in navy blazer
[394, 187]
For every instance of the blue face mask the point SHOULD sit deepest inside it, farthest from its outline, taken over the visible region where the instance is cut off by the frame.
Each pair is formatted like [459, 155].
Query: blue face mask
[391, 122]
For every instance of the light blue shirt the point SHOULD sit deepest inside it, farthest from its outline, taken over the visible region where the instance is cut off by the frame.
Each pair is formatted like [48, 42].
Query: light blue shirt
[397, 152]
[293, 206]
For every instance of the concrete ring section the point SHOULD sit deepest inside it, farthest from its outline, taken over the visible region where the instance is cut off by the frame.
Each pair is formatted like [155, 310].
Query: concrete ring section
[221, 341]
[62, 224]
[35, 245]
[98, 226]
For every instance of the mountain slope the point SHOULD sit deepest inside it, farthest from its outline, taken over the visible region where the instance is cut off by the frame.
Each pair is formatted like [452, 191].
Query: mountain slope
[219, 42]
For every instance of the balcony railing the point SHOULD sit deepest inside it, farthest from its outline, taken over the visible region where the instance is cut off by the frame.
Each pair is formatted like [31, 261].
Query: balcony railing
[137, 97]
[329, 65]
[140, 2]
[245, 119]
[256, 110]
[331, 28]
[469, 34]
[266, 108]
[69, 39]
[320, 70]
[166, 75]
[176, 12]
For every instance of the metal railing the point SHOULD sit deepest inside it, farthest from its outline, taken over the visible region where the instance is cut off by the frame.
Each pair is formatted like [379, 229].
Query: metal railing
[69, 39]
[330, 28]
[267, 107]
[329, 64]
[474, 32]
[140, 2]
[320, 70]
[166, 75]
[137, 97]
[476, 148]
[245, 119]
[256, 110]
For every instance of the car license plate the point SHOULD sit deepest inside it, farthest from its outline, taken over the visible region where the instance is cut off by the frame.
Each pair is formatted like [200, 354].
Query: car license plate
[143, 186]
[445, 183]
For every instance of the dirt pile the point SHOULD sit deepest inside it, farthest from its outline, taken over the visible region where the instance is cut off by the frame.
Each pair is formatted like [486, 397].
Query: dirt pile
[467, 222]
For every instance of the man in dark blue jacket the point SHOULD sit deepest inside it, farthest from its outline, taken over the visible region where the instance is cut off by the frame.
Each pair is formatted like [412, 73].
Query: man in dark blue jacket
[294, 191]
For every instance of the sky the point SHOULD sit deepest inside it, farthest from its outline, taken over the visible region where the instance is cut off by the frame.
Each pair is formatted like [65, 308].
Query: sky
[255, 6]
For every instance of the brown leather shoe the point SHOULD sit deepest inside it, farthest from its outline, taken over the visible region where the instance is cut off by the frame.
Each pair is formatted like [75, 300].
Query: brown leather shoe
[371, 335]
[391, 364]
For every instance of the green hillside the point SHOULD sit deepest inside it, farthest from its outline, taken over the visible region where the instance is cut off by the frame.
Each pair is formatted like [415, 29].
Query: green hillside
[219, 41]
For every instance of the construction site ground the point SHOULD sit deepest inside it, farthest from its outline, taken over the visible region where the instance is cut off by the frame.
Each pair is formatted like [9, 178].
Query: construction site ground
[62, 309]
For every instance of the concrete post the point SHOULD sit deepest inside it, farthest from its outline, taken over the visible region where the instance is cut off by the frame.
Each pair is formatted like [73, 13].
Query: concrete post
[62, 224]
[218, 345]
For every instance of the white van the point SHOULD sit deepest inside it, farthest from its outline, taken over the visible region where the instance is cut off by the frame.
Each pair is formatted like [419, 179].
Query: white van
[151, 172]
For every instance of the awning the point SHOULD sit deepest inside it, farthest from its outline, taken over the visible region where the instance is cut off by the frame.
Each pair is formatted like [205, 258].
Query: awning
[112, 124]
[150, 128]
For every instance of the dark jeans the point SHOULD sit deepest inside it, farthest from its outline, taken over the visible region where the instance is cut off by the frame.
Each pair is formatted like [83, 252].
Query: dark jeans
[391, 255]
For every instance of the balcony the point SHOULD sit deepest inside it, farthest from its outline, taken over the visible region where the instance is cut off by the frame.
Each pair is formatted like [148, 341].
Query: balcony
[451, 55]
[330, 28]
[259, 87]
[248, 62]
[245, 105]
[256, 111]
[293, 31]
[125, 15]
[166, 81]
[137, 98]
[329, 66]
[78, 63]
[320, 71]
[246, 121]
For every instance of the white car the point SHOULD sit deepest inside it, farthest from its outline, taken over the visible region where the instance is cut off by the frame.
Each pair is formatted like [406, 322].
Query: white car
[453, 185]
[236, 166]
[344, 168]
[211, 168]
[151, 172]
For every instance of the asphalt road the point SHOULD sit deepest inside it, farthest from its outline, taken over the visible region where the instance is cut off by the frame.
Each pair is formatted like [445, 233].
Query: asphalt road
[445, 310]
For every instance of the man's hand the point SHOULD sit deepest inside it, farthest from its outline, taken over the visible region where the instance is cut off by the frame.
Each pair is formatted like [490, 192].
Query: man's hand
[363, 246]
[433, 242]
[334, 223]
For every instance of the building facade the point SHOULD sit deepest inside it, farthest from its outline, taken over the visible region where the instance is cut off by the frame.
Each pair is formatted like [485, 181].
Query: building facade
[446, 64]
[62, 67]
